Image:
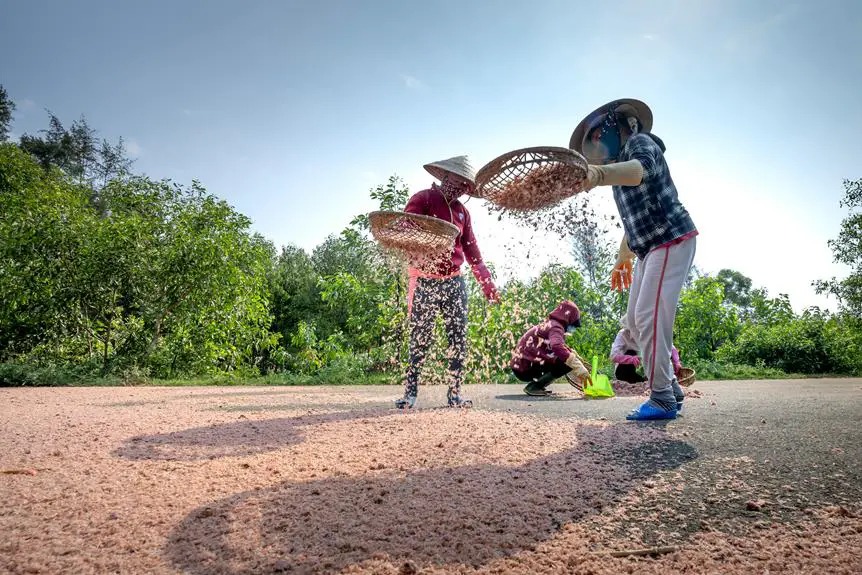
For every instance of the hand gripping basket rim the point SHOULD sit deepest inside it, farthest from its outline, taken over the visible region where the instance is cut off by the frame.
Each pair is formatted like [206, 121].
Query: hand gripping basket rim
[493, 178]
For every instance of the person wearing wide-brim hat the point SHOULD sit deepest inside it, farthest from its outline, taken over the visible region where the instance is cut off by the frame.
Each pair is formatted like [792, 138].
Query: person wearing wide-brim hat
[622, 152]
[444, 290]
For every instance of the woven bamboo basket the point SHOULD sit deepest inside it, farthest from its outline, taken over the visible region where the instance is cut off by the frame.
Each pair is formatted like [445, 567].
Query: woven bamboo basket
[532, 178]
[422, 239]
[686, 376]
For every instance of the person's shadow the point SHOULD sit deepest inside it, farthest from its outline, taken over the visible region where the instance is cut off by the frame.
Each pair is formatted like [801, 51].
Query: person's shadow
[464, 515]
[555, 396]
[235, 439]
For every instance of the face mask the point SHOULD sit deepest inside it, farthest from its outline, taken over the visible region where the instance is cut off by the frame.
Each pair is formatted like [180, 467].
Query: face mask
[604, 140]
[453, 188]
[603, 145]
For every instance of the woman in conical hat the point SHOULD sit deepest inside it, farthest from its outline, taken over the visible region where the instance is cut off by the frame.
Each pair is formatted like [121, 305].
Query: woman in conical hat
[617, 141]
[444, 290]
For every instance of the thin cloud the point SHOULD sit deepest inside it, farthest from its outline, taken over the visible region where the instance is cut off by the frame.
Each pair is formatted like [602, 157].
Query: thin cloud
[25, 104]
[412, 83]
[133, 148]
[649, 37]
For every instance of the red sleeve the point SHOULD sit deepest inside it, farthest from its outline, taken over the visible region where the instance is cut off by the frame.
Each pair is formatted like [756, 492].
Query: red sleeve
[557, 339]
[474, 258]
[417, 204]
[468, 242]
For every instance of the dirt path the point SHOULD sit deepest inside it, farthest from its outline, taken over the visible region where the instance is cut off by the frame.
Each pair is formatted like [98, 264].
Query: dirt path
[271, 480]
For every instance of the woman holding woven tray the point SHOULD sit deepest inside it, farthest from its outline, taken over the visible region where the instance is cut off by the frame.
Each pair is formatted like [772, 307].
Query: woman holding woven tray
[622, 152]
[443, 289]
[542, 355]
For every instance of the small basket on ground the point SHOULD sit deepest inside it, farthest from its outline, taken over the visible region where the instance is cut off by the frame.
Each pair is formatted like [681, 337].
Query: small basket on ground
[532, 178]
[686, 376]
[424, 240]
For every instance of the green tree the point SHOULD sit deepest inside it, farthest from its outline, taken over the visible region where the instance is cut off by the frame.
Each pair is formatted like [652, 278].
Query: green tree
[390, 196]
[592, 252]
[847, 249]
[166, 279]
[703, 324]
[7, 106]
[43, 223]
[294, 291]
[79, 153]
[737, 288]
[815, 342]
[769, 311]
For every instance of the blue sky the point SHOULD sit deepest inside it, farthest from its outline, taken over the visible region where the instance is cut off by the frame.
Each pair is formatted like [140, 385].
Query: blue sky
[292, 110]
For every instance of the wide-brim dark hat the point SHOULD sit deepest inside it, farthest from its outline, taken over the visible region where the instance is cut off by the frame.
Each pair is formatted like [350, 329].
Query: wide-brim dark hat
[625, 106]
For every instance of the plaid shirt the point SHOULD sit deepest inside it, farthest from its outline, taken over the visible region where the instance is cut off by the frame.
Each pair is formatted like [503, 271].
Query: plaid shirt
[651, 212]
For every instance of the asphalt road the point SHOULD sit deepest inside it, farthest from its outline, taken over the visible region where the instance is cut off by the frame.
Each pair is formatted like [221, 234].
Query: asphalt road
[788, 446]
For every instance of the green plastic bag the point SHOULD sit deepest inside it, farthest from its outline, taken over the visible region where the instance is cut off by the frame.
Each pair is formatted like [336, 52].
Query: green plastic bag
[601, 386]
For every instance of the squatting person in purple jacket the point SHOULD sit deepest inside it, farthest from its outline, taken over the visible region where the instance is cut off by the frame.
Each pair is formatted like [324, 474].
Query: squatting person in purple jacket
[543, 356]
[622, 152]
[443, 290]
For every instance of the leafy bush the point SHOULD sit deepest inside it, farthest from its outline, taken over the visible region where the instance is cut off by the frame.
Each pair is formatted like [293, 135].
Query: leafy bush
[137, 273]
[717, 370]
[17, 374]
[703, 322]
[812, 343]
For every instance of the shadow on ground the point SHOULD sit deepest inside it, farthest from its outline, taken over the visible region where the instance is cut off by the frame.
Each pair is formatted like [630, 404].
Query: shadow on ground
[463, 515]
[239, 438]
[572, 396]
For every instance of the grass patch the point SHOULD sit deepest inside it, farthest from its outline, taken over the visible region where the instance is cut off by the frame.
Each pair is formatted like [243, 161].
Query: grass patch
[713, 370]
[19, 374]
[280, 379]
[31, 374]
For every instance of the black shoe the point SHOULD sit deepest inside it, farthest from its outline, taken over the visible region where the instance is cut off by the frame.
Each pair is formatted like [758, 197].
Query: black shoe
[536, 391]
[455, 400]
[406, 402]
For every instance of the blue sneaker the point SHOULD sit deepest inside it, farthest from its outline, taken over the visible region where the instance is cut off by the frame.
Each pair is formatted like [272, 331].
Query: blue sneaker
[647, 411]
[678, 405]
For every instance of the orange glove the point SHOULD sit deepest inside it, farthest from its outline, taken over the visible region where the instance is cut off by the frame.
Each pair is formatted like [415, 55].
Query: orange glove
[621, 277]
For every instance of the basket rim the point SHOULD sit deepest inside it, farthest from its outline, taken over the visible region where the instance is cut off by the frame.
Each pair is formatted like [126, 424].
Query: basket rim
[686, 376]
[498, 165]
[448, 226]
[529, 150]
